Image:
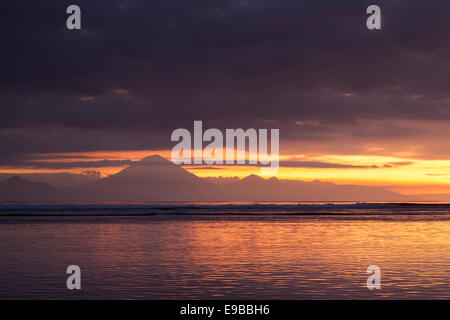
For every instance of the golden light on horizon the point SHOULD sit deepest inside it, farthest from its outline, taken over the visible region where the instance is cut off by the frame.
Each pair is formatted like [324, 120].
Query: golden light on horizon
[404, 175]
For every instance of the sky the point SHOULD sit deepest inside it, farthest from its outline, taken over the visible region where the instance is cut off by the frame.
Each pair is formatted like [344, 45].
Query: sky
[368, 107]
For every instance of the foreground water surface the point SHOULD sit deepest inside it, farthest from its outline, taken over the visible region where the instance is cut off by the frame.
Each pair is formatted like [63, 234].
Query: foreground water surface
[241, 251]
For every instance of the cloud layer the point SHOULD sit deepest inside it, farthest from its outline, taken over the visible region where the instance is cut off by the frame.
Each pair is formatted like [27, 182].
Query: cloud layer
[139, 69]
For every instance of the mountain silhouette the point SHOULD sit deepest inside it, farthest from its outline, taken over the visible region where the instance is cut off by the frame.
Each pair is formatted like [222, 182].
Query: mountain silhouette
[155, 178]
[16, 189]
[255, 188]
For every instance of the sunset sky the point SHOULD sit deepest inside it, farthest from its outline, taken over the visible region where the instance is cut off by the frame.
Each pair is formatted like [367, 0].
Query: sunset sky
[359, 106]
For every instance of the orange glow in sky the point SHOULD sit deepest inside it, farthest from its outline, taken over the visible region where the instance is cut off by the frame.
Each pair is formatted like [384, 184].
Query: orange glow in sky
[404, 175]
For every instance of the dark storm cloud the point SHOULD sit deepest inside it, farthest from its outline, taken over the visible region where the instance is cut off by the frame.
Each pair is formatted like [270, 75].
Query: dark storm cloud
[322, 165]
[32, 163]
[79, 164]
[139, 69]
[330, 165]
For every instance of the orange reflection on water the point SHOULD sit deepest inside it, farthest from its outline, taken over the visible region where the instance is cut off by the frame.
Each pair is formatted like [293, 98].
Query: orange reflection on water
[277, 258]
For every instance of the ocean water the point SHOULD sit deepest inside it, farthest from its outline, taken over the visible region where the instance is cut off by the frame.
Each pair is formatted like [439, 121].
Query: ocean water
[225, 251]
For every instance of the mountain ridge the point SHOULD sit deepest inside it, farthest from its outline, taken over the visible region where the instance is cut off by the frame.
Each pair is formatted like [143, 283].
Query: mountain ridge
[155, 178]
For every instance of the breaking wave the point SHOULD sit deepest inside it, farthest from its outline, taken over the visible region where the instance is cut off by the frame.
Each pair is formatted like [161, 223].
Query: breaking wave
[209, 208]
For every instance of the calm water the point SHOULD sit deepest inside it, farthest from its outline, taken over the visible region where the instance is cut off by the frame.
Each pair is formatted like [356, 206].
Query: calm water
[186, 251]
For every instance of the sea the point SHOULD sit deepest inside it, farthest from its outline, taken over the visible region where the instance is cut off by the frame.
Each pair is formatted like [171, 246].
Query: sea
[193, 250]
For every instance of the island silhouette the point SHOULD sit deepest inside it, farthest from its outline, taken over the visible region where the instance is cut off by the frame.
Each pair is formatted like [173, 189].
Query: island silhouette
[155, 178]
